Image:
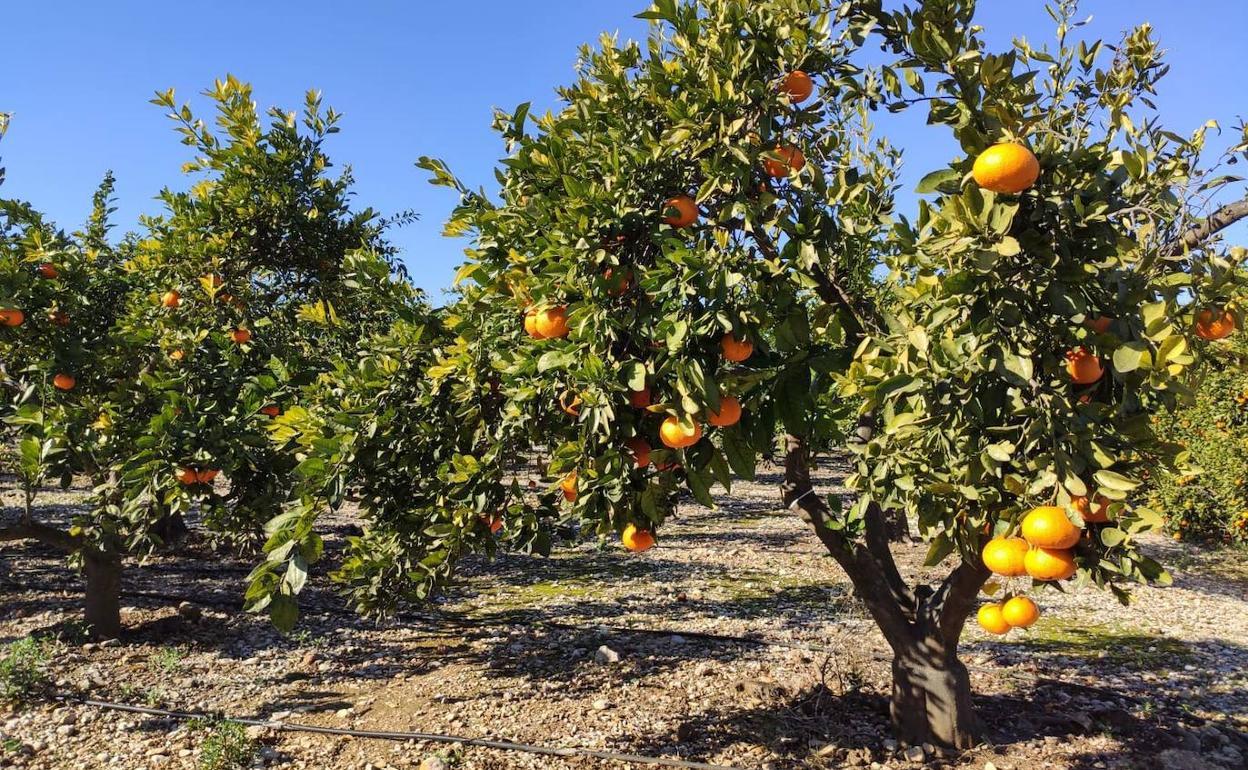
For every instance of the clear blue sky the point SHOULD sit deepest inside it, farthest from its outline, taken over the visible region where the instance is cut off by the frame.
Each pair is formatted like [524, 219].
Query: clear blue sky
[415, 78]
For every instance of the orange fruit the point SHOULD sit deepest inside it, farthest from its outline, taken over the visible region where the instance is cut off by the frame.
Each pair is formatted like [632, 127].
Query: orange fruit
[11, 317]
[790, 159]
[206, 476]
[47, 270]
[637, 540]
[272, 410]
[1083, 366]
[1212, 325]
[639, 399]
[570, 403]
[58, 318]
[568, 485]
[530, 324]
[1100, 324]
[729, 412]
[640, 449]
[684, 211]
[1020, 612]
[1100, 515]
[187, 476]
[798, 86]
[171, 299]
[1050, 563]
[1006, 168]
[552, 323]
[736, 351]
[241, 336]
[678, 435]
[617, 284]
[1049, 527]
[64, 381]
[177, 355]
[1004, 556]
[495, 522]
[990, 619]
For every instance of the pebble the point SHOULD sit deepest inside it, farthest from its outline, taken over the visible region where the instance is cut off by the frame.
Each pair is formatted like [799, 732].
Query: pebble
[605, 654]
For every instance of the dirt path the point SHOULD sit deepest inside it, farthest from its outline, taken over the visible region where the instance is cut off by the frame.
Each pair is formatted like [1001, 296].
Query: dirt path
[1094, 685]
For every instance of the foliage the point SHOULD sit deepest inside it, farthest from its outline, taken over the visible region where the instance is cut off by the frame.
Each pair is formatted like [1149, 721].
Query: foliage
[1210, 499]
[22, 668]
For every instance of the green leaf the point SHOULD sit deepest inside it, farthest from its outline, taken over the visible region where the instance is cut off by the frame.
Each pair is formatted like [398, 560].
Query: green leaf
[1131, 356]
[1116, 481]
[933, 181]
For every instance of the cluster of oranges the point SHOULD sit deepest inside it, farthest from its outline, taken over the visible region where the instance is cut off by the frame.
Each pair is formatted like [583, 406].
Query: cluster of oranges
[1043, 552]
[679, 211]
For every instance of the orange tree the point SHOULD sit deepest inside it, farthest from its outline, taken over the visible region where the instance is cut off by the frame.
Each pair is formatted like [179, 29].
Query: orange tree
[677, 272]
[167, 356]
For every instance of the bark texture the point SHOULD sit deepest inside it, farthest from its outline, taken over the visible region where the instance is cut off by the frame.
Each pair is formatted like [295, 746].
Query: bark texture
[103, 601]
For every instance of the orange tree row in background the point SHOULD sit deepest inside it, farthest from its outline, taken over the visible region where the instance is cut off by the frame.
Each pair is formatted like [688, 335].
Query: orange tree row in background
[153, 366]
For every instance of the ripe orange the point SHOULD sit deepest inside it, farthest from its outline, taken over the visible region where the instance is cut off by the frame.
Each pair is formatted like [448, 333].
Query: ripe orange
[790, 159]
[1004, 556]
[1050, 563]
[47, 270]
[206, 476]
[552, 323]
[639, 399]
[990, 619]
[64, 381]
[1049, 527]
[729, 412]
[1100, 324]
[187, 476]
[171, 299]
[798, 86]
[177, 355]
[1006, 168]
[11, 317]
[637, 540]
[678, 435]
[568, 485]
[736, 351]
[1100, 515]
[241, 336]
[1212, 325]
[640, 449]
[685, 211]
[495, 522]
[1020, 612]
[272, 410]
[1083, 366]
[58, 318]
[570, 403]
[530, 323]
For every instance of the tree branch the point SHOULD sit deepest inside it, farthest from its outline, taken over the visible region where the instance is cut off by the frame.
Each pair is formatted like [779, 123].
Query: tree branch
[42, 533]
[1216, 222]
[953, 601]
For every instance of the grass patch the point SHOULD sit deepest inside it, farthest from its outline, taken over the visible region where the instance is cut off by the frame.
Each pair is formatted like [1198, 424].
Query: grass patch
[1127, 648]
[226, 746]
[22, 668]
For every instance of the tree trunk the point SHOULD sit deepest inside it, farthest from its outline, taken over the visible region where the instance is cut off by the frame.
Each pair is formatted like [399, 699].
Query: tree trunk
[931, 698]
[931, 701]
[103, 599]
[172, 531]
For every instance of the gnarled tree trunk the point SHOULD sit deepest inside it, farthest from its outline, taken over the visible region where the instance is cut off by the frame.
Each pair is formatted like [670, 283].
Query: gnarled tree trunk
[931, 697]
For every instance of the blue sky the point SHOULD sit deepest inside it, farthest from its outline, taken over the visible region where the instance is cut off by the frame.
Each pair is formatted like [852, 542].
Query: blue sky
[416, 78]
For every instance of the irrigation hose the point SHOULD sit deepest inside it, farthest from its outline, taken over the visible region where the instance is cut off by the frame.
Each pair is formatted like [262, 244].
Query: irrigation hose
[385, 735]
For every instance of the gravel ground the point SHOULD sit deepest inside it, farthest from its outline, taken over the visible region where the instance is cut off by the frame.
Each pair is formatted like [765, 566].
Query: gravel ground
[538, 651]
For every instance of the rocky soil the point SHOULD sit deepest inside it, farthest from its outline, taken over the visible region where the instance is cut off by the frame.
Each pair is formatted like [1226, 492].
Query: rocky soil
[601, 650]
